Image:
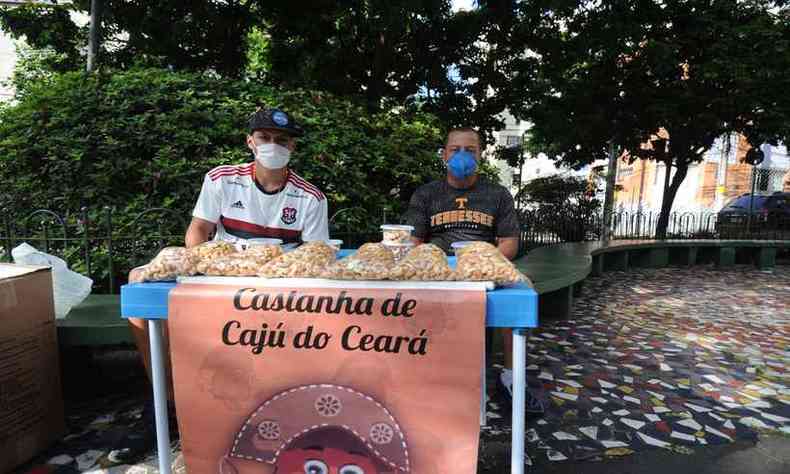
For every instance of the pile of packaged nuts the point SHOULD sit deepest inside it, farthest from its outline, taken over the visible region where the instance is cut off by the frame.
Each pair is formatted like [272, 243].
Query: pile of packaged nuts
[370, 262]
[169, 263]
[481, 261]
[213, 249]
[425, 262]
[307, 261]
[396, 258]
[245, 263]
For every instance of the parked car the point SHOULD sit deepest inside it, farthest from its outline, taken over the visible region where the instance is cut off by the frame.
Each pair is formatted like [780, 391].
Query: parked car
[769, 212]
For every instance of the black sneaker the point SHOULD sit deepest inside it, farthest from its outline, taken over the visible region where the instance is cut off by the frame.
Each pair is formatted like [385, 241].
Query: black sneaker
[505, 385]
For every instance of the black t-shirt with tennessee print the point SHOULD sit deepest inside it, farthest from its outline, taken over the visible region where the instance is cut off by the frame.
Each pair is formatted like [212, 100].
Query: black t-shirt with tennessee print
[442, 214]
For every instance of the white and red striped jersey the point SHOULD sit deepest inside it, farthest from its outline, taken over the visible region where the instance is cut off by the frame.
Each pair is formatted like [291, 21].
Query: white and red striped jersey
[240, 207]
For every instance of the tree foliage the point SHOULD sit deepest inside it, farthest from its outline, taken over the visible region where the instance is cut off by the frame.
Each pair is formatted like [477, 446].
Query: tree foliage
[383, 52]
[196, 35]
[48, 29]
[662, 79]
[562, 204]
[144, 138]
[388, 50]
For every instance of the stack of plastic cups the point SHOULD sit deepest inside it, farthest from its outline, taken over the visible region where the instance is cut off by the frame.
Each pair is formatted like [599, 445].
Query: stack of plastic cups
[398, 239]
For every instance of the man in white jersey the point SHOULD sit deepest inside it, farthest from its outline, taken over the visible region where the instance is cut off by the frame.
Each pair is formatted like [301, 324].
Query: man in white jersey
[263, 198]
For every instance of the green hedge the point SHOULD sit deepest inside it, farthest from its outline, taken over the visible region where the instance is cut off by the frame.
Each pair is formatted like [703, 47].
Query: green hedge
[139, 139]
[144, 138]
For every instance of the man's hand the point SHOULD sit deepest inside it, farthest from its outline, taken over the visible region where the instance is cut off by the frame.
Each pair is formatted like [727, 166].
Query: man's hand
[508, 246]
[198, 232]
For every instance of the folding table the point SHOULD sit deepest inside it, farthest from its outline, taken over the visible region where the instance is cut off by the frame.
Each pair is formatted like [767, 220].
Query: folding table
[514, 307]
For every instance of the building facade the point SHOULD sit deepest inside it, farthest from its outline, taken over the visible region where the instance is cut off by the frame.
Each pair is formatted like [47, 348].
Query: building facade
[7, 62]
[710, 184]
[534, 166]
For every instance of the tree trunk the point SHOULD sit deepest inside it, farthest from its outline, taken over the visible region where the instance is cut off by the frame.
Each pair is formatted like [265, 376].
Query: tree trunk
[378, 73]
[94, 34]
[669, 196]
[608, 203]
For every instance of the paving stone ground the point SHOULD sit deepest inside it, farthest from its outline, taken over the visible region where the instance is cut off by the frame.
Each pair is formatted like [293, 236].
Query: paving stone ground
[671, 370]
[665, 363]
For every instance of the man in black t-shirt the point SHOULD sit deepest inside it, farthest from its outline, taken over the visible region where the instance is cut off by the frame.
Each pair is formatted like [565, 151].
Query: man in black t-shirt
[464, 206]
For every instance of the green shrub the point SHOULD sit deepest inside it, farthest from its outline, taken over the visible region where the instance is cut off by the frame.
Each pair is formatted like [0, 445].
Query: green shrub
[144, 138]
[561, 206]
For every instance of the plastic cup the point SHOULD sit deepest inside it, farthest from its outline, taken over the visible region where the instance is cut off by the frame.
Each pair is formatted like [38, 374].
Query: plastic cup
[396, 233]
[399, 250]
[244, 244]
[335, 243]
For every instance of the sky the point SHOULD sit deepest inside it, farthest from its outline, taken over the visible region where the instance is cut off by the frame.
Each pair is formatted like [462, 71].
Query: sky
[463, 4]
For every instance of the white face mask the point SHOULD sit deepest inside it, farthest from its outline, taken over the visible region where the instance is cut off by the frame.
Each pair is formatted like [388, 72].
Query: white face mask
[272, 156]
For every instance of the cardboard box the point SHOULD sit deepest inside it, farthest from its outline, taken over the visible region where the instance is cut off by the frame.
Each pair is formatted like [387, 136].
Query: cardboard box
[31, 402]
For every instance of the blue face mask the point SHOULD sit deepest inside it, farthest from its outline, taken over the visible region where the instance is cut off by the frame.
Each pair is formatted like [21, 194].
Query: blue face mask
[462, 164]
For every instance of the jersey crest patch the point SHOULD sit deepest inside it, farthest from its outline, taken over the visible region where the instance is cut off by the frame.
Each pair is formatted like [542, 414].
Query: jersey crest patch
[289, 215]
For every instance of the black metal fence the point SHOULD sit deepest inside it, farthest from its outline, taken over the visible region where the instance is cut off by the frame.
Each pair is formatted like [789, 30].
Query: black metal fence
[105, 245]
[95, 242]
[540, 227]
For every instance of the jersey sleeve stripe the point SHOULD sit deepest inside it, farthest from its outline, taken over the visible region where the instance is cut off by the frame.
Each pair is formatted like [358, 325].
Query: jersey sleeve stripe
[220, 169]
[301, 183]
[223, 169]
[230, 173]
[309, 191]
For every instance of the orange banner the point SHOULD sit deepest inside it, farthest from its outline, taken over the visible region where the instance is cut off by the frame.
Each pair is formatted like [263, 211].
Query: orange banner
[327, 380]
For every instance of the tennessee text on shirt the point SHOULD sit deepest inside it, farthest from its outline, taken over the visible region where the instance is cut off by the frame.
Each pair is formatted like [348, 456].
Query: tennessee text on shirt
[453, 217]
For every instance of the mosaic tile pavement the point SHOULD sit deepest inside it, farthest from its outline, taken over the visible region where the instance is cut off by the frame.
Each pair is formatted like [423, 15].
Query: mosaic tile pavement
[670, 359]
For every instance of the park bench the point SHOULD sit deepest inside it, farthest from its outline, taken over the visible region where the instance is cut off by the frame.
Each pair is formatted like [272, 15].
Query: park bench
[558, 271]
[95, 322]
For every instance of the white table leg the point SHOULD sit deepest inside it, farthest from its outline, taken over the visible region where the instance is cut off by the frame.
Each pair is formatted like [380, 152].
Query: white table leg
[483, 407]
[519, 401]
[160, 394]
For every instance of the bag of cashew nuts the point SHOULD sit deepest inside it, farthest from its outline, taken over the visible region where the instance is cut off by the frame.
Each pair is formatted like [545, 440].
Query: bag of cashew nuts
[426, 262]
[307, 261]
[244, 263]
[481, 261]
[169, 263]
[212, 249]
[370, 262]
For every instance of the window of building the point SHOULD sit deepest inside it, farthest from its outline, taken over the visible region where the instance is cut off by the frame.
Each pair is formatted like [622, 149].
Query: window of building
[762, 181]
[512, 140]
